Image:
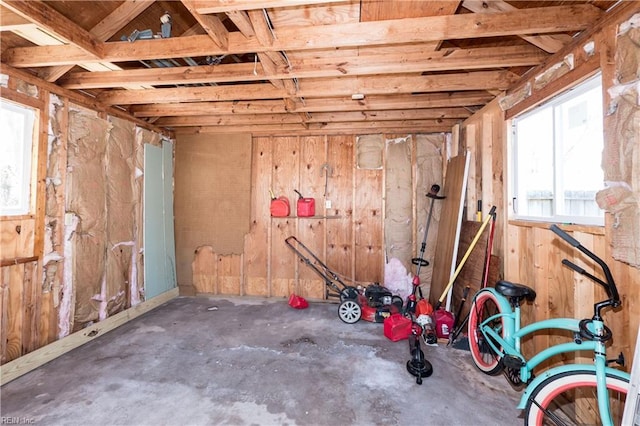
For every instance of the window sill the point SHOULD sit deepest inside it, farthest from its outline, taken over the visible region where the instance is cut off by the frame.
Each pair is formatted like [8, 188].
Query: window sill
[589, 229]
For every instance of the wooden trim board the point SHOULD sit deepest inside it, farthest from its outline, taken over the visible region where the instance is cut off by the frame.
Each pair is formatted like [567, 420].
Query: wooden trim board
[39, 357]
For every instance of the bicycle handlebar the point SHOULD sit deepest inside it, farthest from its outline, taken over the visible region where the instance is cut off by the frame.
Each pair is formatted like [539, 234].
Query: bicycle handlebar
[609, 284]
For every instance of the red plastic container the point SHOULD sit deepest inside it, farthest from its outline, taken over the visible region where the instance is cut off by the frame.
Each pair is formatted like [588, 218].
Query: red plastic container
[280, 207]
[306, 207]
[444, 323]
[397, 327]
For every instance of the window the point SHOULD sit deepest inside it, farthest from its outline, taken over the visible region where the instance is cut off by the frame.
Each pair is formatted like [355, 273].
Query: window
[557, 151]
[17, 124]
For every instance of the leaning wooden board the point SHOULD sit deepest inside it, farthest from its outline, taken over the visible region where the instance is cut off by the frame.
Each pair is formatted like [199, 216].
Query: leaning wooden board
[449, 227]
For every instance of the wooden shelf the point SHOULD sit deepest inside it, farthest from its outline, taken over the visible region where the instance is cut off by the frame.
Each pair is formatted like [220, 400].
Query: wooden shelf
[306, 217]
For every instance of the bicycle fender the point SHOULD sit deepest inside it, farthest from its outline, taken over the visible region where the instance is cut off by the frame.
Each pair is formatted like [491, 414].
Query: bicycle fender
[504, 303]
[563, 369]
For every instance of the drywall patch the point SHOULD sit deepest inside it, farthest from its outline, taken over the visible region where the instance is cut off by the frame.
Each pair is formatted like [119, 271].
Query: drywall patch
[398, 218]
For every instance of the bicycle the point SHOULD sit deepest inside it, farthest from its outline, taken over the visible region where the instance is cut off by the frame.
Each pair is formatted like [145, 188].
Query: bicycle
[567, 394]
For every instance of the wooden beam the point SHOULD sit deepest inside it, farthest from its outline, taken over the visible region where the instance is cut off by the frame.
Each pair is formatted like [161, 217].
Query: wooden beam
[11, 21]
[39, 357]
[312, 105]
[51, 20]
[402, 31]
[410, 126]
[106, 28]
[212, 25]
[550, 43]
[346, 86]
[220, 6]
[322, 117]
[444, 60]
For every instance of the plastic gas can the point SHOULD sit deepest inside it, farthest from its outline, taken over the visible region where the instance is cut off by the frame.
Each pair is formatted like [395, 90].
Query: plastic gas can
[444, 323]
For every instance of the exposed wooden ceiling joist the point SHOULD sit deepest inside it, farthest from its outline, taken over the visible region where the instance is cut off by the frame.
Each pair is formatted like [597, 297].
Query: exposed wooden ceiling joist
[411, 30]
[346, 86]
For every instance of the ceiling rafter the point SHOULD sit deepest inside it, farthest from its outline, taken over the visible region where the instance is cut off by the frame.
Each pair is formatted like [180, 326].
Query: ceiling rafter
[443, 60]
[51, 20]
[410, 30]
[346, 86]
[212, 25]
[550, 43]
[106, 28]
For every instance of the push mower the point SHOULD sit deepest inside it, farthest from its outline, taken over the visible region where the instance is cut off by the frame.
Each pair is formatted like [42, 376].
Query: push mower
[373, 303]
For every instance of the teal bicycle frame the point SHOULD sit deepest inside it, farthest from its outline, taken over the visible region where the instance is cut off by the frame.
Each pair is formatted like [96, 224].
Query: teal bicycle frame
[506, 342]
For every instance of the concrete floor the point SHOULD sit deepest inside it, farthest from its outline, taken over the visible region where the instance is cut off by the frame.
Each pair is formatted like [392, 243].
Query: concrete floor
[245, 361]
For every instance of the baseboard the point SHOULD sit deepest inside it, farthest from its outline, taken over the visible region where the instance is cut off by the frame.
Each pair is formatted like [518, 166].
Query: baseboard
[35, 359]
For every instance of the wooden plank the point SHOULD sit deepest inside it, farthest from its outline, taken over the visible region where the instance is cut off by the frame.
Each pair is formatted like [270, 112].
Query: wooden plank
[448, 229]
[370, 103]
[35, 359]
[219, 6]
[311, 231]
[51, 20]
[229, 274]
[17, 238]
[390, 63]
[367, 219]
[31, 304]
[15, 312]
[205, 270]
[211, 24]
[256, 247]
[284, 178]
[400, 31]
[345, 86]
[5, 280]
[340, 230]
[106, 28]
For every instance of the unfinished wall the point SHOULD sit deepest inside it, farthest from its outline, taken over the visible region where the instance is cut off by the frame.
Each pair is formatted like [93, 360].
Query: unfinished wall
[346, 179]
[76, 260]
[530, 255]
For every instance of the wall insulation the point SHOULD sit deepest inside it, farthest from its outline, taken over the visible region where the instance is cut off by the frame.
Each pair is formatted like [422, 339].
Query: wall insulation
[398, 216]
[621, 158]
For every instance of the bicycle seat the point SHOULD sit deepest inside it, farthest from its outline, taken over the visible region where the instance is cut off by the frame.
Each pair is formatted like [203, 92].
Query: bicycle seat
[517, 291]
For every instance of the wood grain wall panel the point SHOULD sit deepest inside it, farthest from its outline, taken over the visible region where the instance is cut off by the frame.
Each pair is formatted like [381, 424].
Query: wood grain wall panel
[17, 238]
[340, 192]
[284, 178]
[256, 245]
[367, 218]
[15, 312]
[205, 270]
[4, 311]
[311, 230]
[229, 274]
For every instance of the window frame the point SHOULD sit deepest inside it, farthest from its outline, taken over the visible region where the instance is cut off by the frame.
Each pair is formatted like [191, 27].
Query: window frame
[559, 98]
[26, 207]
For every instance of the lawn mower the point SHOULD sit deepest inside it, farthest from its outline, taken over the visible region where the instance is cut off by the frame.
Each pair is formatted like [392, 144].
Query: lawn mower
[372, 303]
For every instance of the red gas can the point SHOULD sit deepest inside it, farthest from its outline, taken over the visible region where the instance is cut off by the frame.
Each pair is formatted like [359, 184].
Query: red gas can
[280, 207]
[444, 323]
[306, 207]
[397, 327]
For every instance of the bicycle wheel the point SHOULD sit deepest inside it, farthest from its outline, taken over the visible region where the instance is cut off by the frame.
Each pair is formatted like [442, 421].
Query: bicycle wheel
[484, 357]
[570, 399]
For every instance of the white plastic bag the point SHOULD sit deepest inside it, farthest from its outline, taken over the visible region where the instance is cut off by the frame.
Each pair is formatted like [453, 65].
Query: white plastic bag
[397, 279]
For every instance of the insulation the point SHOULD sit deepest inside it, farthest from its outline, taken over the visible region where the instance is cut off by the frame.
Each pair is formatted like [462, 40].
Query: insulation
[369, 152]
[86, 184]
[398, 222]
[621, 155]
[212, 196]
[121, 201]
[554, 72]
[428, 173]
[514, 98]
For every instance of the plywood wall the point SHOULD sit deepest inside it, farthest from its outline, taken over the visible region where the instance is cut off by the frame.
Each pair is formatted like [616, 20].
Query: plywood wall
[347, 231]
[530, 253]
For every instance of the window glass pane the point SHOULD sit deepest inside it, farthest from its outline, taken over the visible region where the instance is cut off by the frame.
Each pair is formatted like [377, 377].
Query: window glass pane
[15, 163]
[534, 147]
[557, 155]
[581, 134]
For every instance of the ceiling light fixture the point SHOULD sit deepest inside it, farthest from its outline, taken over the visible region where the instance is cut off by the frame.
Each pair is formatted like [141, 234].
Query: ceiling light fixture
[357, 96]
